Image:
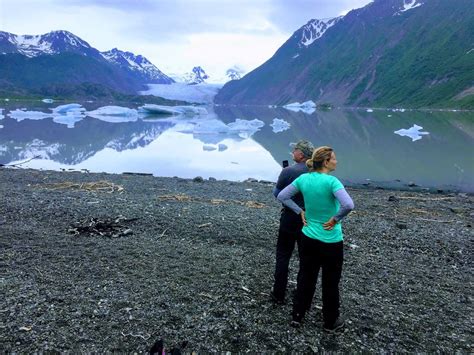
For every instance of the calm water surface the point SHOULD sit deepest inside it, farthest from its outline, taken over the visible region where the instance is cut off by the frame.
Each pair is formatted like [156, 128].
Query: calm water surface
[219, 145]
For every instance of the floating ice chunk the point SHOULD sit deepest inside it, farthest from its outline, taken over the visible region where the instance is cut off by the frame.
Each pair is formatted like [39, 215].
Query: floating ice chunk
[1, 126]
[114, 114]
[69, 119]
[222, 147]
[245, 128]
[208, 148]
[48, 101]
[246, 125]
[370, 110]
[272, 106]
[21, 115]
[414, 132]
[307, 107]
[210, 126]
[279, 125]
[63, 109]
[172, 110]
[1, 114]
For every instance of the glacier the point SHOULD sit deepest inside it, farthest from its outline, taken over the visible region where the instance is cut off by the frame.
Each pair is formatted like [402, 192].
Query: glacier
[199, 93]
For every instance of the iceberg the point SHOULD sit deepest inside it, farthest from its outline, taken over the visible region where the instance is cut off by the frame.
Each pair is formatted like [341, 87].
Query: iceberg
[21, 115]
[152, 109]
[307, 107]
[208, 148]
[245, 128]
[1, 114]
[210, 127]
[114, 114]
[222, 147]
[414, 132]
[48, 101]
[64, 109]
[68, 120]
[369, 110]
[279, 125]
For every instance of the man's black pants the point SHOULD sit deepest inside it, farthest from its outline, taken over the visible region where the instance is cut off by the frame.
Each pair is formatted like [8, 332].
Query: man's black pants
[287, 238]
[315, 255]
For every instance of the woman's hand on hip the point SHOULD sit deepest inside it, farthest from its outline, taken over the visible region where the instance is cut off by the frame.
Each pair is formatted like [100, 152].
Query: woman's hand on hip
[303, 218]
[329, 225]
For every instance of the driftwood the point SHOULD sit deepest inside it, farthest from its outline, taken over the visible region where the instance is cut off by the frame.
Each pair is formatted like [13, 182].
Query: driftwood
[214, 201]
[101, 186]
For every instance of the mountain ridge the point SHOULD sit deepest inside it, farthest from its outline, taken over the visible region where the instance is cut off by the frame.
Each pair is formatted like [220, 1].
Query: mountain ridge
[59, 57]
[388, 53]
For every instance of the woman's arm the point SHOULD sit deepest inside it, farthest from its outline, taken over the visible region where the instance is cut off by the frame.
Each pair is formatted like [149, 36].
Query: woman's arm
[285, 197]
[347, 205]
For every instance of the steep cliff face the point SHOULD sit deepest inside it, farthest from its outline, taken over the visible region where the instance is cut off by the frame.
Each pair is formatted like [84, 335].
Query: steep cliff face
[391, 52]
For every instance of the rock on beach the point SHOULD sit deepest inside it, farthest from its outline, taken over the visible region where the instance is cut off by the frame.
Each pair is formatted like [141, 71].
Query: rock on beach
[106, 263]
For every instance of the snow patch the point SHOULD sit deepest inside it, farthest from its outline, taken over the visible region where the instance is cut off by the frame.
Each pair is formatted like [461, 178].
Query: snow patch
[414, 132]
[411, 4]
[315, 29]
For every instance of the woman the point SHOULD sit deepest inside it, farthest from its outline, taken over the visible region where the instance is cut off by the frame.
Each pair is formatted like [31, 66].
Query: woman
[326, 203]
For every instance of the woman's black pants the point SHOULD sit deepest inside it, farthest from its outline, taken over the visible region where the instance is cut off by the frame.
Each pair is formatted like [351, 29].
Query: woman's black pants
[328, 257]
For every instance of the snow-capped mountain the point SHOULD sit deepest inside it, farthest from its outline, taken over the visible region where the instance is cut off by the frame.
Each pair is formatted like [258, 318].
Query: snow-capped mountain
[61, 59]
[234, 73]
[196, 76]
[51, 43]
[387, 53]
[137, 64]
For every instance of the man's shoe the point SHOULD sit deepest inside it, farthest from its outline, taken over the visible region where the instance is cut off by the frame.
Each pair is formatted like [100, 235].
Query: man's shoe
[276, 300]
[295, 324]
[335, 327]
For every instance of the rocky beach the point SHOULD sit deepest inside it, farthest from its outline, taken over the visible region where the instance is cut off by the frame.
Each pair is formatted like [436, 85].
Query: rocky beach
[115, 262]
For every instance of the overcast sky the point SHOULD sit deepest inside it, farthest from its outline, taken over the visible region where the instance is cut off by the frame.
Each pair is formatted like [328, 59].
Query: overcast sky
[176, 35]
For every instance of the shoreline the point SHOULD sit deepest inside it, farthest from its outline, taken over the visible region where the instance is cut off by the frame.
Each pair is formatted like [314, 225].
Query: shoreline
[393, 185]
[112, 262]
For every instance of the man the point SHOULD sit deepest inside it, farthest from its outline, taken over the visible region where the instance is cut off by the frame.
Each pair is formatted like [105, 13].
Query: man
[290, 223]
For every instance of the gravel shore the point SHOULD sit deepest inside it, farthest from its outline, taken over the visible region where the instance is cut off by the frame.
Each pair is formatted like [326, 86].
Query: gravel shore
[104, 262]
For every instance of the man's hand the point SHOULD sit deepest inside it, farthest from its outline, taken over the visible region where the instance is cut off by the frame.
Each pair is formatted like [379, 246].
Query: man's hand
[329, 225]
[303, 218]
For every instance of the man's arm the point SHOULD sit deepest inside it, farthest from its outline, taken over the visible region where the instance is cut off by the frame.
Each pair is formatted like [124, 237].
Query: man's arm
[282, 182]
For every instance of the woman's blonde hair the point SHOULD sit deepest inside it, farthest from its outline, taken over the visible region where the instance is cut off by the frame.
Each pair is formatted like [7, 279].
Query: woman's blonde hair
[320, 155]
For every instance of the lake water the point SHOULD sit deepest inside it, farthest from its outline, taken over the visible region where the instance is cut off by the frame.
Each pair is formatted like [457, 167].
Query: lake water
[219, 145]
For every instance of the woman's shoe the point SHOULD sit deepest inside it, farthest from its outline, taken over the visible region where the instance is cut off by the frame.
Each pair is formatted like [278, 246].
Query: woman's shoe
[336, 326]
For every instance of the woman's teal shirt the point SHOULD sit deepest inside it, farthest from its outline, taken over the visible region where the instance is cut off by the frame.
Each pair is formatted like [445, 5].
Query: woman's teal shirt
[320, 205]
